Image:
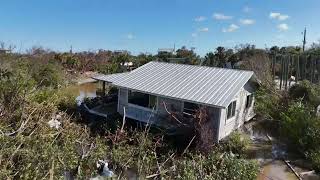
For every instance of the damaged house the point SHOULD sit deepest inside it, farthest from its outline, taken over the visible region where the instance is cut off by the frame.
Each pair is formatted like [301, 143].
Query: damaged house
[149, 92]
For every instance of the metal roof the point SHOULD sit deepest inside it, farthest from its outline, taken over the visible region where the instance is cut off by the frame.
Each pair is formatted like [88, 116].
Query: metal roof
[111, 78]
[199, 84]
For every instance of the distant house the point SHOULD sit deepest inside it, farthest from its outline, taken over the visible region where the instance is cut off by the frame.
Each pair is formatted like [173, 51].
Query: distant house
[147, 93]
[166, 50]
[5, 51]
[118, 52]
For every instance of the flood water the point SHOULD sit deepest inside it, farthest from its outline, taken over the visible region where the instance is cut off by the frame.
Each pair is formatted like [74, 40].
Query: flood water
[82, 91]
[270, 154]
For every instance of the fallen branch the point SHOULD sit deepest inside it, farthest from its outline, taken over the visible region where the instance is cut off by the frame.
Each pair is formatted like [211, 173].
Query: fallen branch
[185, 150]
[157, 174]
[174, 117]
[52, 171]
[292, 169]
[22, 126]
[307, 173]
[124, 119]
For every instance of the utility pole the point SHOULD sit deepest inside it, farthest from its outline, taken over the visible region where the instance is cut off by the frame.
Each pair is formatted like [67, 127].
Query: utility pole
[304, 39]
[71, 50]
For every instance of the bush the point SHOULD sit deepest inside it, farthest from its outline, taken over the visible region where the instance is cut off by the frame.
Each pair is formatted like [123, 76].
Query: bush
[216, 166]
[268, 103]
[300, 126]
[307, 92]
[48, 75]
[237, 143]
[314, 157]
[110, 68]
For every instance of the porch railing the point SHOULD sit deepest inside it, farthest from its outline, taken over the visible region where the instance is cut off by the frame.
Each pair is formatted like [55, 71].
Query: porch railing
[139, 113]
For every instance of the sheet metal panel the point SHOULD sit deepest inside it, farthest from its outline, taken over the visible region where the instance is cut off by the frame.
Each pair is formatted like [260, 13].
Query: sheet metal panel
[200, 84]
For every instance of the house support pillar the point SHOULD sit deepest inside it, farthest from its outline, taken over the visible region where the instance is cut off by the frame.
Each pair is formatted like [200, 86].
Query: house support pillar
[103, 88]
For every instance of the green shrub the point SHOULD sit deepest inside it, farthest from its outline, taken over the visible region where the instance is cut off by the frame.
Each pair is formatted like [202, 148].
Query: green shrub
[48, 75]
[268, 103]
[299, 126]
[307, 92]
[216, 166]
[237, 143]
[110, 68]
[314, 157]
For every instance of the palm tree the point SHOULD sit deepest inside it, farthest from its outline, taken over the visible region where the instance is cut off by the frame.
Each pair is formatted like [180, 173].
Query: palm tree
[210, 59]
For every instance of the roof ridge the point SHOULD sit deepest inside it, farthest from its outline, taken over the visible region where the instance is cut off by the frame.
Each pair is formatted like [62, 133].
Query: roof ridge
[209, 67]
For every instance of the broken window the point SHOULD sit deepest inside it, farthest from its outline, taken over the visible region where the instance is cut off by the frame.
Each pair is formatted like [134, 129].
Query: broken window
[231, 112]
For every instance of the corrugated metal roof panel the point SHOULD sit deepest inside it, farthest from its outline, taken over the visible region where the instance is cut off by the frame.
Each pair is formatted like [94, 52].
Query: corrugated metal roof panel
[110, 77]
[206, 85]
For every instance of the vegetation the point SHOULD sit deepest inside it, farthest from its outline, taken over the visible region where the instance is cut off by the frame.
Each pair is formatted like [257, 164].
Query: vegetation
[43, 136]
[237, 143]
[296, 114]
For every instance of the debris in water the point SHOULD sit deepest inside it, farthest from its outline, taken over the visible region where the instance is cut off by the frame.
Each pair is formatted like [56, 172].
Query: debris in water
[278, 152]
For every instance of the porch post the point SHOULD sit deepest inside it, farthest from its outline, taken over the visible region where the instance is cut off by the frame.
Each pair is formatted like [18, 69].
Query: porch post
[103, 88]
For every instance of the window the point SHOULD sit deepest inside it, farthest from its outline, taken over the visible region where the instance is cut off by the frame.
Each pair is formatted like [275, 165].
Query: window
[249, 101]
[142, 99]
[231, 110]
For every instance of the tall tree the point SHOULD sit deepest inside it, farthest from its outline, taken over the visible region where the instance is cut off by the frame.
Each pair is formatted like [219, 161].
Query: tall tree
[210, 60]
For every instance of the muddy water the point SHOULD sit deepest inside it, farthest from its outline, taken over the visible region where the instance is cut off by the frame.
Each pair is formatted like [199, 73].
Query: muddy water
[82, 91]
[276, 170]
[270, 154]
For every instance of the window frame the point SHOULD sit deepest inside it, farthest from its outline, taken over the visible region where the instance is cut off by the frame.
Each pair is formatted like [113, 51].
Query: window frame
[249, 101]
[232, 110]
[155, 107]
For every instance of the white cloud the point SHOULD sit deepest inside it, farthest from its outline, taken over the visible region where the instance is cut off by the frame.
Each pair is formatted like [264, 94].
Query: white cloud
[246, 9]
[278, 16]
[247, 21]
[283, 17]
[274, 15]
[200, 19]
[194, 35]
[283, 27]
[130, 36]
[219, 16]
[205, 29]
[231, 28]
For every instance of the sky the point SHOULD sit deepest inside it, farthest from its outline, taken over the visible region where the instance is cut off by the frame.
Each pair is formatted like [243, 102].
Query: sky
[146, 25]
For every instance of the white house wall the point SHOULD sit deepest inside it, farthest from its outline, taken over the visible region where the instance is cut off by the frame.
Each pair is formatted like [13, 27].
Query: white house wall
[122, 99]
[222, 126]
[242, 114]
